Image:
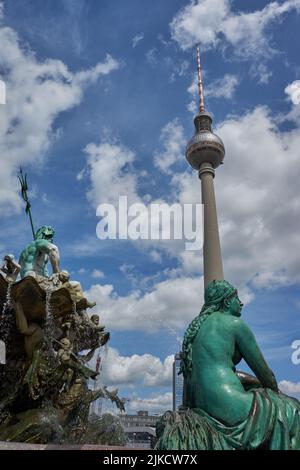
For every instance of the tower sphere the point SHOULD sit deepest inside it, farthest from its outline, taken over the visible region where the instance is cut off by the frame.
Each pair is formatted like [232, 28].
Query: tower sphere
[205, 146]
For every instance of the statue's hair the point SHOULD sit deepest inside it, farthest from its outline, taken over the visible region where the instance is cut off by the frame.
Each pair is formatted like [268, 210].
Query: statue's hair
[215, 295]
[40, 232]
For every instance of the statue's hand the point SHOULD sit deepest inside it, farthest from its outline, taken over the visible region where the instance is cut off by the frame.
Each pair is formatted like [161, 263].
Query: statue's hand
[248, 381]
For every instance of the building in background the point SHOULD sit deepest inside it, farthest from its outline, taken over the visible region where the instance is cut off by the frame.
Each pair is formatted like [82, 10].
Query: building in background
[177, 383]
[140, 428]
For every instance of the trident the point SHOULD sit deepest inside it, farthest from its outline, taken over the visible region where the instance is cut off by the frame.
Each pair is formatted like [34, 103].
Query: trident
[24, 189]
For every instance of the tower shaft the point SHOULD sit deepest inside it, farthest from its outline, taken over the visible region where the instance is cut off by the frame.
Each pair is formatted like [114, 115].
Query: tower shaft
[205, 152]
[212, 258]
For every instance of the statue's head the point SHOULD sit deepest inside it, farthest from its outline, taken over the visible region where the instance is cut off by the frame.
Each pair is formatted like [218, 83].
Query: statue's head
[46, 232]
[219, 296]
[65, 342]
[95, 319]
[223, 296]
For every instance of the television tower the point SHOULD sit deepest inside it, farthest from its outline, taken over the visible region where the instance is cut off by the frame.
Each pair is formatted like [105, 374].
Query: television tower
[205, 152]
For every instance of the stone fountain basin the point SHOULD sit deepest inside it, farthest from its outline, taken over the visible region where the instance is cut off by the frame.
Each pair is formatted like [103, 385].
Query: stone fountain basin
[33, 298]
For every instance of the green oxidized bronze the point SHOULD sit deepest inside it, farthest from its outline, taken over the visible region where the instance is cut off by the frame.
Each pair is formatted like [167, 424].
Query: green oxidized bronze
[35, 257]
[226, 409]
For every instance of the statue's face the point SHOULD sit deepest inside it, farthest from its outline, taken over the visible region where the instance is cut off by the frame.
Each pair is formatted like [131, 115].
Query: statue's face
[46, 233]
[95, 319]
[235, 306]
[65, 343]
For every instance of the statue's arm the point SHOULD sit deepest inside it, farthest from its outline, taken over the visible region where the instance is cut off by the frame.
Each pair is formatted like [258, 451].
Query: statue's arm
[250, 351]
[99, 393]
[248, 381]
[53, 253]
[87, 357]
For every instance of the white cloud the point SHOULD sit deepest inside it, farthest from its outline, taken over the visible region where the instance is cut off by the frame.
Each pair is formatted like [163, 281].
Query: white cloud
[108, 166]
[156, 256]
[136, 370]
[259, 224]
[192, 107]
[97, 274]
[269, 279]
[210, 22]
[293, 91]
[37, 92]
[170, 305]
[173, 143]
[52, 31]
[2, 92]
[261, 71]
[224, 87]
[290, 388]
[176, 69]
[136, 39]
[111, 172]
[157, 404]
[258, 201]
[84, 247]
[151, 57]
[199, 22]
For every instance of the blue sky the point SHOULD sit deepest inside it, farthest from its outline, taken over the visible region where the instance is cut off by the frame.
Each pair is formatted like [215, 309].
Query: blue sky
[100, 103]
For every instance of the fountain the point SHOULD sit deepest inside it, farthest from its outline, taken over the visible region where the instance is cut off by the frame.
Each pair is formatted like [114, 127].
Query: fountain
[44, 396]
[45, 328]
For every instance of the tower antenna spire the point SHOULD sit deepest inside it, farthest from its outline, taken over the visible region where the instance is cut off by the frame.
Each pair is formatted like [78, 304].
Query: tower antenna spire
[200, 83]
[205, 152]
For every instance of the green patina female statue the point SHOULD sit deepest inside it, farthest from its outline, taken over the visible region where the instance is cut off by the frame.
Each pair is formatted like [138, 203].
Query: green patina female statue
[225, 410]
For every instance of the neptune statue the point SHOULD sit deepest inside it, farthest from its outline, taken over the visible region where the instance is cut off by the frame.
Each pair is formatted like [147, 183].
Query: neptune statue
[35, 257]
